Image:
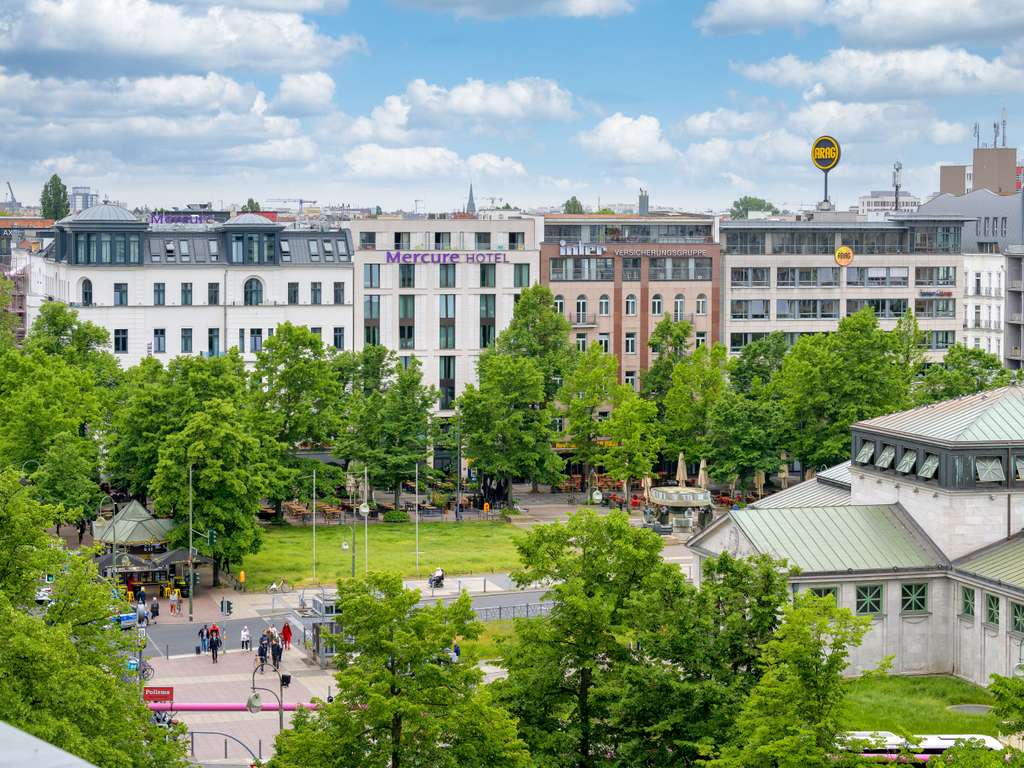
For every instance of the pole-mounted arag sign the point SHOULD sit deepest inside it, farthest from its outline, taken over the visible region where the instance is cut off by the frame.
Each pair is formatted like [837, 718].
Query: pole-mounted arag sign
[825, 153]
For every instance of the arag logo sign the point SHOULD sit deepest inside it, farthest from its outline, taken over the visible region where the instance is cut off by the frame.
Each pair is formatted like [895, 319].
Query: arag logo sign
[825, 153]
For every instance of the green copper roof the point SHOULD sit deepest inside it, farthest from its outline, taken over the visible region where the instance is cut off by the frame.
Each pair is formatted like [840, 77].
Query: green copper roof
[989, 417]
[1001, 562]
[839, 538]
[810, 493]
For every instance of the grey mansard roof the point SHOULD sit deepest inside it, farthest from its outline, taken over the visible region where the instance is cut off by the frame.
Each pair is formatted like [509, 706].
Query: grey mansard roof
[106, 214]
[250, 220]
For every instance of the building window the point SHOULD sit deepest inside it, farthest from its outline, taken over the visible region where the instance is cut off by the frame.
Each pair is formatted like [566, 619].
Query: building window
[339, 293]
[293, 293]
[314, 250]
[630, 379]
[446, 276]
[406, 275]
[869, 599]
[315, 293]
[371, 275]
[560, 305]
[581, 309]
[442, 241]
[241, 339]
[604, 341]
[914, 598]
[522, 275]
[750, 309]
[121, 341]
[446, 381]
[255, 339]
[159, 340]
[700, 338]
[339, 338]
[630, 305]
[368, 241]
[1017, 611]
[603, 305]
[702, 304]
[213, 247]
[992, 609]
[678, 307]
[120, 294]
[886, 456]
[87, 292]
[581, 342]
[867, 450]
[656, 305]
[315, 330]
[183, 251]
[967, 597]
[328, 250]
[371, 335]
[186, 341]
[989, 469]
[907, 462]
[253, 291]
[631, 343]
[487, 272]
[482, 241]
[159, 294]
[186, 294]
[516, 241]
[446, 337]
[832, 592]
[406, 322]
[402, 241]
[931, 463]
[486, 320]
[213, 341]
[213, 293]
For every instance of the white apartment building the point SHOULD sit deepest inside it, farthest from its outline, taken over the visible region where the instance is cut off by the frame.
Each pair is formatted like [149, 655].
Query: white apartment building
[783, 276]
[984, 301]
[441, 289]
[884, 201]
[167, 290]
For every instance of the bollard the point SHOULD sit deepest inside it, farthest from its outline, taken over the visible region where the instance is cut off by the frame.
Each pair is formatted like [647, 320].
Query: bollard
[167, 651]
[193, 737]
[225, 749]
[485, 585]
[259, 748]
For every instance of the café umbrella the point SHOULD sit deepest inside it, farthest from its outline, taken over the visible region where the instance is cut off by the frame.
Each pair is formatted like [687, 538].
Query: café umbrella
[702, 474]
[681, 478]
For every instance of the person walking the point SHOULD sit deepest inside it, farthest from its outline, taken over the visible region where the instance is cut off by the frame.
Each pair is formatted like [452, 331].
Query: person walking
[286, 636]
[154, 609]
[172, 603]
[204, 638]
[262, 652]
[246, 642]
[275, 653]
[215, 644]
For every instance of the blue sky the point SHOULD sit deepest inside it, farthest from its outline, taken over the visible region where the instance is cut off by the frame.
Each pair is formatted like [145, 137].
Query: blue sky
[393, 101]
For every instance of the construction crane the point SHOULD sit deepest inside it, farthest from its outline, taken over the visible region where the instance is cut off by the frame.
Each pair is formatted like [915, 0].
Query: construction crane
[300, 200]
[13, 200]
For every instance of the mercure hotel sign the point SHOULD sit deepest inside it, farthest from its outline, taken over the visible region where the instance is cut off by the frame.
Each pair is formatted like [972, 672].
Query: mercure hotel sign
[445, 257]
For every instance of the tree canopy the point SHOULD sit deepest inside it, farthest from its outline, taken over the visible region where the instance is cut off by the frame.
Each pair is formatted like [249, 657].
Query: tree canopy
[742, 207]
[572, 205]
[53, 200]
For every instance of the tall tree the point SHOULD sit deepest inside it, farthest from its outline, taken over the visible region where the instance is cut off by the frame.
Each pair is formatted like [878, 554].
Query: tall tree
[69, 475]
[634, 437]
[405, 426]
[792, 717]
[757, 362]
[228, 480]
[588, 388]
[670, 342]
[54, 199]
[399, 700]
[743, 436]
[540, 332]
[8, 320]
[251, 206]
[572, 205]
[742, 207]
[964, 371]
[507, 425]
[908, 342]
[698, 381]
[558, 665]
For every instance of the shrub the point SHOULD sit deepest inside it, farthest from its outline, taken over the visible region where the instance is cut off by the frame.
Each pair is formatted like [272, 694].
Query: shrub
[396, 516]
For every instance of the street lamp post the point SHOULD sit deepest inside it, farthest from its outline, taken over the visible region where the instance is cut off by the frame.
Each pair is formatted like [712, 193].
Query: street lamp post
[113, 527]
[416, 513]
[191, 571]
[364, 510]
[253, 703]
[303, 477]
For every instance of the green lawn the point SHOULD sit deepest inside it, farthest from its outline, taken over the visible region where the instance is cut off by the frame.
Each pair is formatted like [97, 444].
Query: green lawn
[916, 705]
[468, 547]
[488, 645]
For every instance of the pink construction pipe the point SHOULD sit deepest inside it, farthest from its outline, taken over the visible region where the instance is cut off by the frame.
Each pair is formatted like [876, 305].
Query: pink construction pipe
[220, 706]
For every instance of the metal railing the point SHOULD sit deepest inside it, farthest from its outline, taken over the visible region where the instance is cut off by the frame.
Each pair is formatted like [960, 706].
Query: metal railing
[525, 611]
[583, 318]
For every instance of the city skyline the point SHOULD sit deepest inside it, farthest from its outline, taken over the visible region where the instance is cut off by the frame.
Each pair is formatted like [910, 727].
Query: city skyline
[404, 103]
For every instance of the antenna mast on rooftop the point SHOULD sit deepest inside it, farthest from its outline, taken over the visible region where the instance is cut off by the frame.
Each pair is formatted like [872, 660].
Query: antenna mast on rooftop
[1004, 126]
[977, 135]
[897, 172]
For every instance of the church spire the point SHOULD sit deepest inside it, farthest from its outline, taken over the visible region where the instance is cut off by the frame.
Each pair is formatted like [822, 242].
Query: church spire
[471, 204]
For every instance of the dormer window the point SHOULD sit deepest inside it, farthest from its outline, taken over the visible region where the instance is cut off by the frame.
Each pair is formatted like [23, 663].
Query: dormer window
[907, 462]
[1018, 464]
[989, 469]
[169, 246]
[886, 456]
[931, 463]
[314, 250]
[867, 450]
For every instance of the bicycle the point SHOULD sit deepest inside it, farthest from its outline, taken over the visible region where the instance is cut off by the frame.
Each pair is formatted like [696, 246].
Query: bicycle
[146, 671]
[279, 587]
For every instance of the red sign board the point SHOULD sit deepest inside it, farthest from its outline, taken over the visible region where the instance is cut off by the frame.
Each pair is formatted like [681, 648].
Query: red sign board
[157, 693]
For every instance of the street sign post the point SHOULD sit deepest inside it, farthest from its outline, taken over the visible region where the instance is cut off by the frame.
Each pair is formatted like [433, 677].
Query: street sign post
[158, 693]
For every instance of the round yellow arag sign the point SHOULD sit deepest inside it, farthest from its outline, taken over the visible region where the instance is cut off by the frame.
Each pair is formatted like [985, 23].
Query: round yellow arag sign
[825, 153]
[844, 255]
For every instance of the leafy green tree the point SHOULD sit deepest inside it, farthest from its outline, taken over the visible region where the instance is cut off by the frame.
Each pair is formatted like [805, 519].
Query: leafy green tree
[63, 677]
[8, 320]
[507, 425]
[59, 331]
[696, 659]
[560, 665]
[572, 205]
[908, 342]
[757, 362]
[964, 371]
[400, 700]
[588, 388]
[743, 436]
[828, 382]
[69, 475]
[228, 477]
[742, 207]
[1009, 706]
[605, 212]
[251, 206]
[792, 717]
[973, 753]
[54, 199]
[634, 436]
[698, 382]
[538, 331]
[405, 426]
[670, 342]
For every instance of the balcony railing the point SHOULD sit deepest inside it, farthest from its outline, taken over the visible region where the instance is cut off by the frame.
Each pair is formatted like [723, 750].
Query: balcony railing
[633, 275]
[987, 291]
[583, 319]
[983, 325]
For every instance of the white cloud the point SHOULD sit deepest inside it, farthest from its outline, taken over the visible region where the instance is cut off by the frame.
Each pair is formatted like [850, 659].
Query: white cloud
[722, 121]
[306, 92]
[942, 132]
[769, 148]
[628, 139]
[875, 121]
[375, 161]
[873, 23]
[560, 183]
[295, 6]
[216, 36]
[487, 164]
[503, 9]
[388, 122]
[290, 150]
[923, 72]
[525, 98]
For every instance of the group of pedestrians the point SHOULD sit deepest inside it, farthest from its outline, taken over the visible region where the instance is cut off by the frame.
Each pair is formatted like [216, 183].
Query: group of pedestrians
[210, 640]
[272, 644]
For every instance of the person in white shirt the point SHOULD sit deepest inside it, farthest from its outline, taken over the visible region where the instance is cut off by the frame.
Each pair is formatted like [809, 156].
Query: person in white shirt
[246, 642]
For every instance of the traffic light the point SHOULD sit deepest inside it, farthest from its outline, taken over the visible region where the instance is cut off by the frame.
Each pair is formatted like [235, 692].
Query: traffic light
[211, 536]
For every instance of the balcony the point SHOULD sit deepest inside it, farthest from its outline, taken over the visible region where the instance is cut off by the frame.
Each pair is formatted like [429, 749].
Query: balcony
[631, 275]
[1015, 285]
[583, 319]
[983, 325]
[987, 291]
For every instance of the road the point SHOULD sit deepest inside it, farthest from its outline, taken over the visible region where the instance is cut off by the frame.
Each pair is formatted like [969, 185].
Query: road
[177, 639]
